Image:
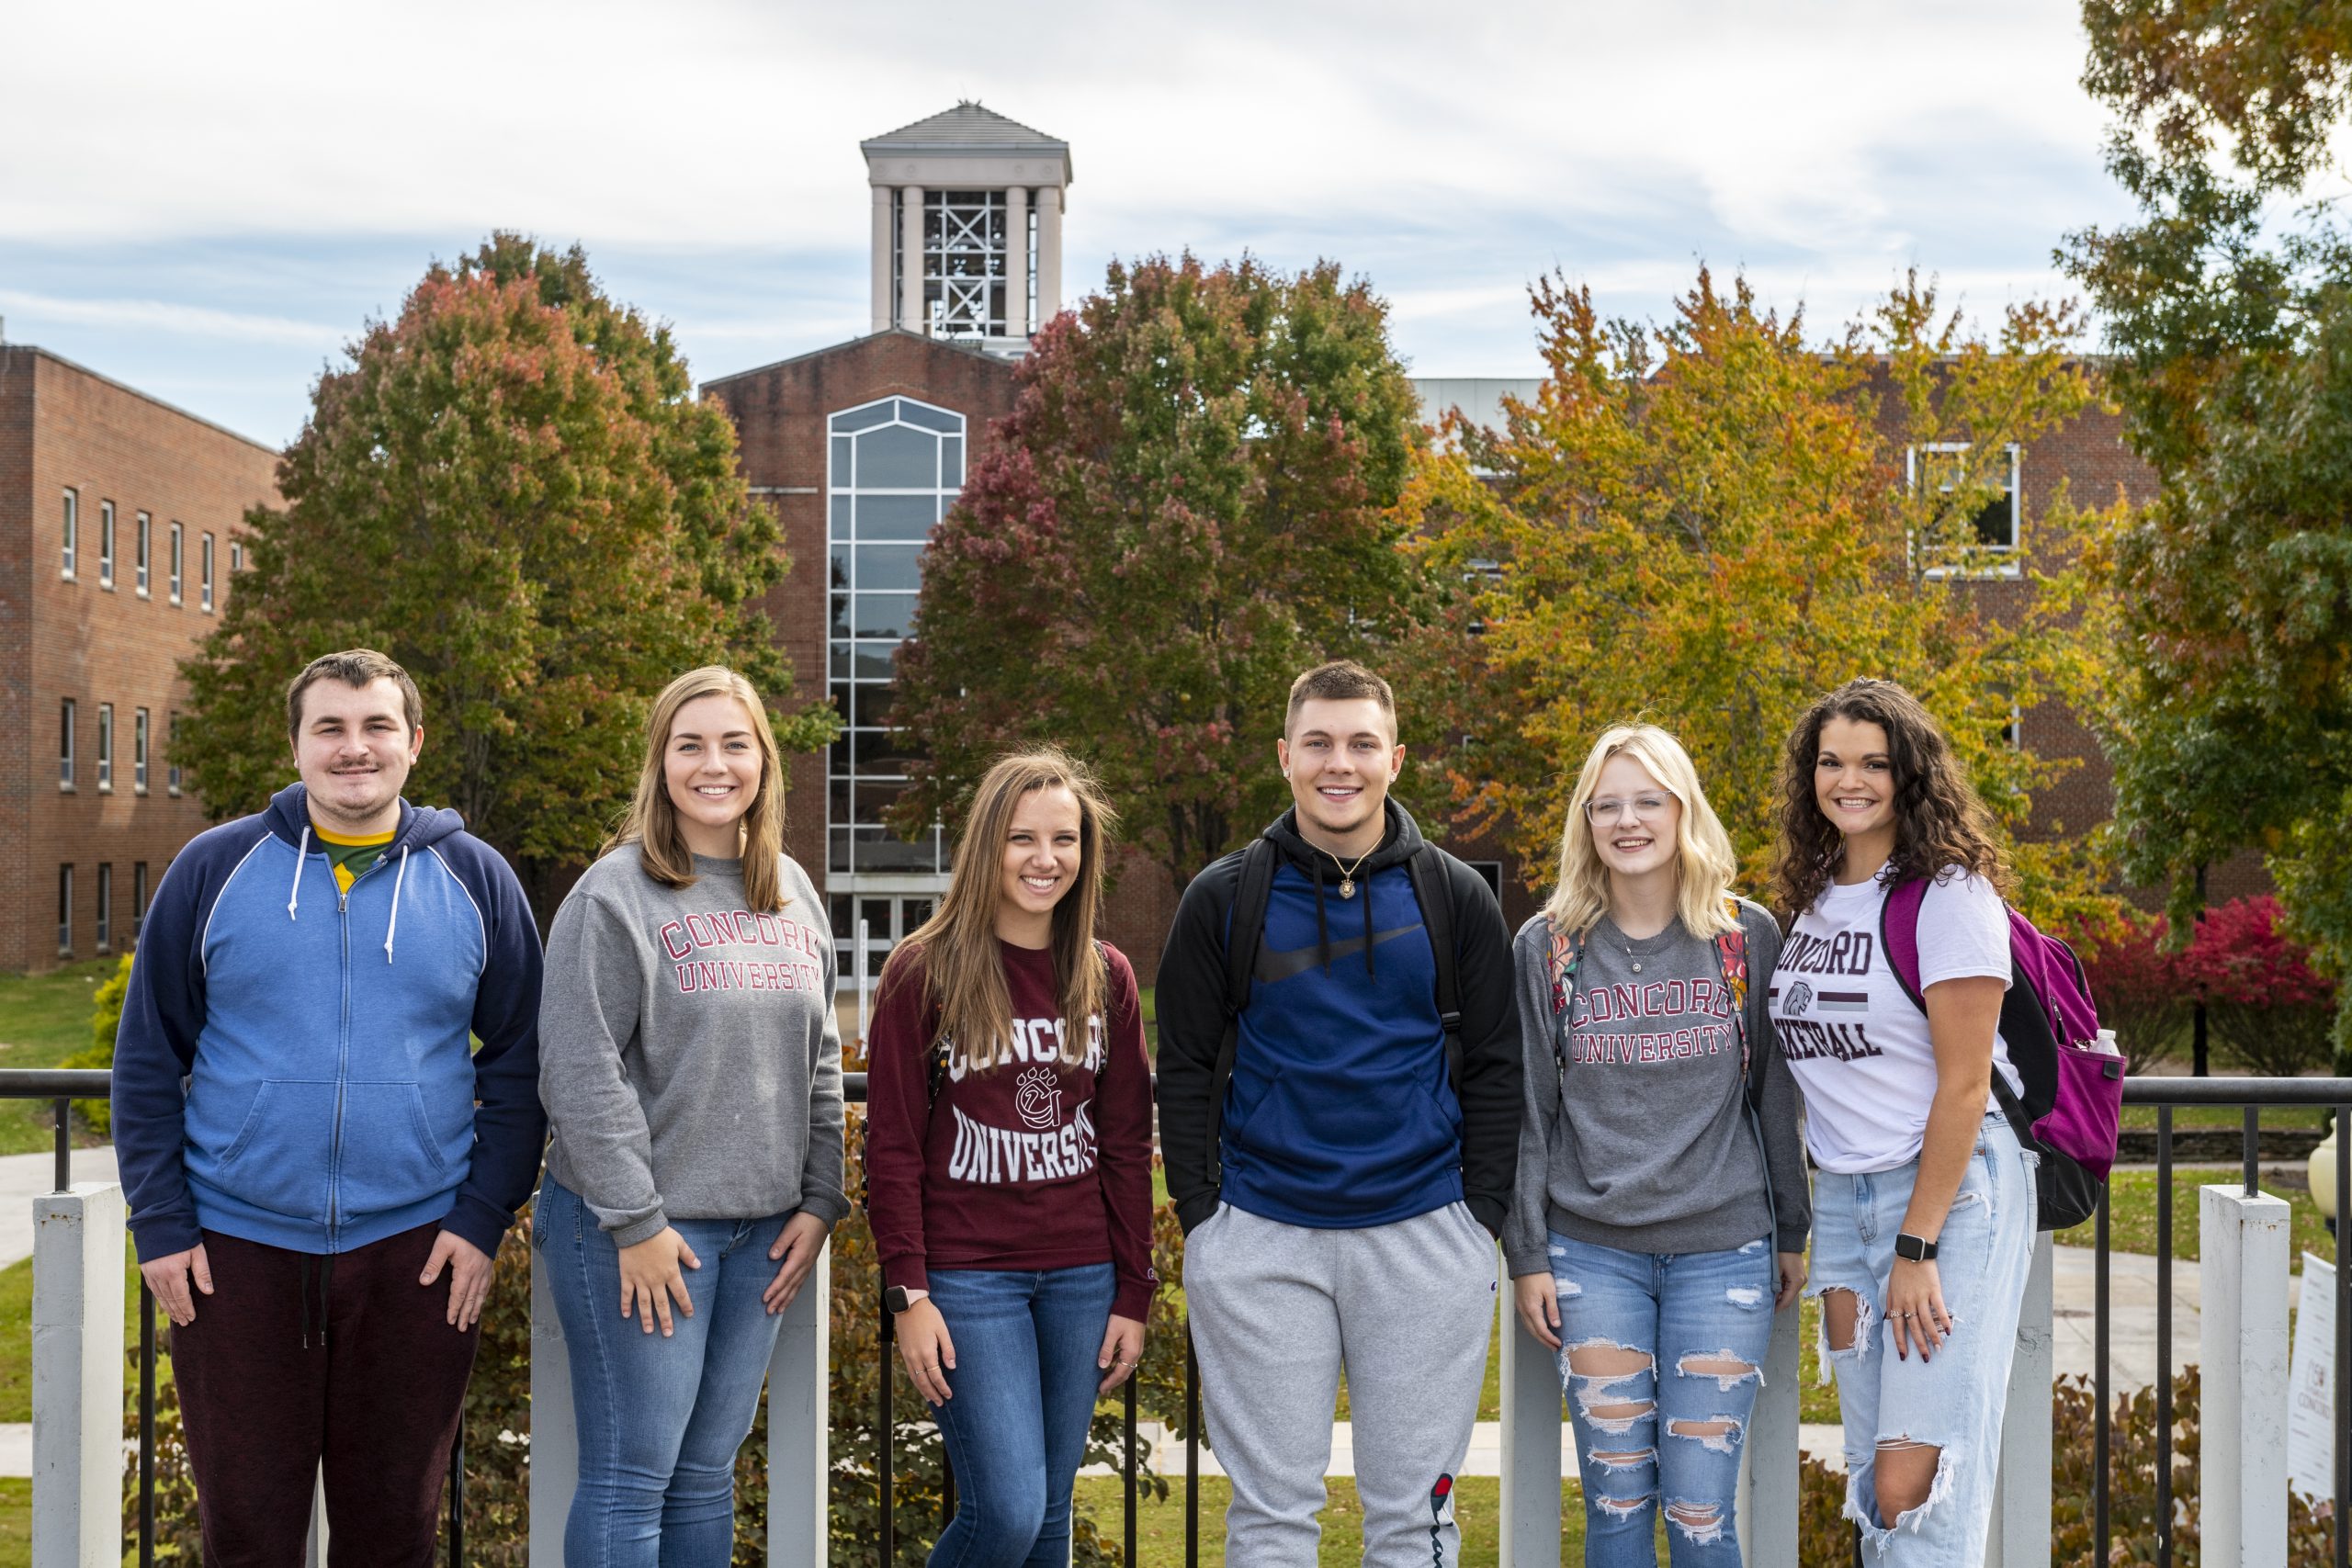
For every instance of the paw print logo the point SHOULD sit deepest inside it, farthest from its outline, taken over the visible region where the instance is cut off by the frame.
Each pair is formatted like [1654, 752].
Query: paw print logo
[1037, 1098]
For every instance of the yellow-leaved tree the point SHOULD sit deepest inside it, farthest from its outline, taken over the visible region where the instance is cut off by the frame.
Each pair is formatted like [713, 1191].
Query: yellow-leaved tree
[1708, 523]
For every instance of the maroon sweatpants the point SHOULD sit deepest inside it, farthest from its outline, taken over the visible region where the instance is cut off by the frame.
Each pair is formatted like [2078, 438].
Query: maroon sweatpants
[296, 1360]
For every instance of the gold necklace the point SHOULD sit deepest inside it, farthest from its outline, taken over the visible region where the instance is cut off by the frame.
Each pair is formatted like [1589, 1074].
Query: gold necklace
[1347, 872]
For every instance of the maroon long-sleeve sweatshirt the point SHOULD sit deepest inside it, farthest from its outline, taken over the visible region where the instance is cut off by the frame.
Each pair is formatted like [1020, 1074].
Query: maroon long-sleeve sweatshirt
[1033, 1164]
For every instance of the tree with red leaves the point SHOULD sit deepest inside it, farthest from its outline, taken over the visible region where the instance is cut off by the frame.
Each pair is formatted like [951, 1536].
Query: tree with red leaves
[1190, 503]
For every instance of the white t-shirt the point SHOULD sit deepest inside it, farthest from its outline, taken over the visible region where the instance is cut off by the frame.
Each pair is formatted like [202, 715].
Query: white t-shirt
[1858, 1046]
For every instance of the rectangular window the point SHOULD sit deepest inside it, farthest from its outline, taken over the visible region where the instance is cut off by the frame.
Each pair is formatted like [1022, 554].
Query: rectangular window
[1992, 527]
[65, 911]
[204, 583]
[105, 748]
[139, 751]
[172, 758]
[138, 899]
[179, 559]
[66, 744]
[236, 557]
[105, 906]
[106, 544]
[73, 537]
[143, 549]
[1491, 873]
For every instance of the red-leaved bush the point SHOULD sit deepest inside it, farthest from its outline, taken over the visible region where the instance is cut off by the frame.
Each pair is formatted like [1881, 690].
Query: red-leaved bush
[2136, 983]
[2269, 1007]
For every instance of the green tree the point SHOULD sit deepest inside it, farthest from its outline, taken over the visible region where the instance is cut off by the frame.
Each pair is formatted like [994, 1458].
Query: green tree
[2232, 316]
[1712, 521]
[511, 489]
[1190, 501]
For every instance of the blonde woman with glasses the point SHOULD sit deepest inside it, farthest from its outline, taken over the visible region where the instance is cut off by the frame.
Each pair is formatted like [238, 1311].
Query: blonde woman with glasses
[1660, 1213]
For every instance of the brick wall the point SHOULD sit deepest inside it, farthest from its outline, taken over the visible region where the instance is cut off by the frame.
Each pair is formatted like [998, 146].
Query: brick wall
[64, 427]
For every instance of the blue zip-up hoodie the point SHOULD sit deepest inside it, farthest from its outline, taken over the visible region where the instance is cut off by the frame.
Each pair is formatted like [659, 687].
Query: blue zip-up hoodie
[293, 1066]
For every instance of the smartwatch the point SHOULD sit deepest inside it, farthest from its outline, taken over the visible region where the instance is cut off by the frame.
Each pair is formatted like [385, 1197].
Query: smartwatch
[898, 1298]
[1918, 1250]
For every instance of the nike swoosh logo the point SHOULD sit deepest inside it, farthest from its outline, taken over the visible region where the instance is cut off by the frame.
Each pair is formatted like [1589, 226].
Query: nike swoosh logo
[1273, 965]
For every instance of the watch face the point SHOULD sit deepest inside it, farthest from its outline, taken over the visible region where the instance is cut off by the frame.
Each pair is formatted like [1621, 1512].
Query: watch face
[894, 1298]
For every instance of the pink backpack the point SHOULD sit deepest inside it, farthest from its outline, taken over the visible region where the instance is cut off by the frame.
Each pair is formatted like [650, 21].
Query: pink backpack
[2073, 1099]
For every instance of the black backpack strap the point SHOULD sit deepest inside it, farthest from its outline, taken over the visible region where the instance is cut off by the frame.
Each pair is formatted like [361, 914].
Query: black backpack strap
[1245, 925]
[1433, 891]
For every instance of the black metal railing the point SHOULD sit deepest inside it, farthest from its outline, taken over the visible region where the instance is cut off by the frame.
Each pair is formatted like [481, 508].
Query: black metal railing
[2254, 1095]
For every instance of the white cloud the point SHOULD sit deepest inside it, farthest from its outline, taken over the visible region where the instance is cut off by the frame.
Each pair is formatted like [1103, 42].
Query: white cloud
[180, 320]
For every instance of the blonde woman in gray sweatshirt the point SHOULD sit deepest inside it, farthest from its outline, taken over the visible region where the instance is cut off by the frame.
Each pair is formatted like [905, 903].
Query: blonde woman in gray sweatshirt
[691, 1069]
[1659, 1216]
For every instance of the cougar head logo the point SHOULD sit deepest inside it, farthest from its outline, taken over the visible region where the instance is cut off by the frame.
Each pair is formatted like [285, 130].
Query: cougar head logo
[1799, 1000]
[1037, 1097]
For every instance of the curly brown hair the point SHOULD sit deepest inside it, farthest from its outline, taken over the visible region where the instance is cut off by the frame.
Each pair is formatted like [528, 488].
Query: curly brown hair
[1939, 821]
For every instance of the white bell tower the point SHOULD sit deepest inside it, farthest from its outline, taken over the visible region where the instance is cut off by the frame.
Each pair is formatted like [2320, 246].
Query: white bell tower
[968, 228]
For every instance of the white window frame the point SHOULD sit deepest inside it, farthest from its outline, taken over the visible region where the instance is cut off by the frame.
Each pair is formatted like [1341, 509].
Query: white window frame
[142, 545]
[179, 559]
[204, 583]
[106, 546]
[105, 748]
[236, 557]
[71, 544]
[139, 751]
[106, 906]
[66, 718]
[1991, 561]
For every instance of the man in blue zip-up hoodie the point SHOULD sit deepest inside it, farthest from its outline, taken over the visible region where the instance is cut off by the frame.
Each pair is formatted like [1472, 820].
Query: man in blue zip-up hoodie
[319, 1165]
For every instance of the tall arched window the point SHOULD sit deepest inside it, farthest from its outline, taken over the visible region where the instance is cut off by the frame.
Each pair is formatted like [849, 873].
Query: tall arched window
[893, 468]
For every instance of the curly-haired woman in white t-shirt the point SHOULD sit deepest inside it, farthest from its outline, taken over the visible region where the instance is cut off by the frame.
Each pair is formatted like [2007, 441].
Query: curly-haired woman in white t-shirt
[1924, 1207]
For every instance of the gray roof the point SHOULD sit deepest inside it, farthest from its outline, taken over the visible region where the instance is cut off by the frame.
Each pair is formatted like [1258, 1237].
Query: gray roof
[966, 128]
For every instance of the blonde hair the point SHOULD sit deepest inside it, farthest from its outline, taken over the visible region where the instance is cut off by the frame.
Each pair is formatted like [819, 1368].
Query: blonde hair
[963, 973]
[651, 822]
[1703, 862]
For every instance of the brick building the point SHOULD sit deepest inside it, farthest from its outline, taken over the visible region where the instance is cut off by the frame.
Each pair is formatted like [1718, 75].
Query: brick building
[121, 523]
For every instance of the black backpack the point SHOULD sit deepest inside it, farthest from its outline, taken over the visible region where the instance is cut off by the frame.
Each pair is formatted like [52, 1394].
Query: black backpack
[1247, 926]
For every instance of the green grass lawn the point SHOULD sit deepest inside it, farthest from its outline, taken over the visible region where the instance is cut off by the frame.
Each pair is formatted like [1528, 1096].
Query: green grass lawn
[1160, 1527]
[2132, 1212]
[2144, 1117]
[44, 1019]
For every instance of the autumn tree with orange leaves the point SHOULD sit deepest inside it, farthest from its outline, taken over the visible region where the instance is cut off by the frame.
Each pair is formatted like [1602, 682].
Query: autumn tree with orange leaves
[1709, 522]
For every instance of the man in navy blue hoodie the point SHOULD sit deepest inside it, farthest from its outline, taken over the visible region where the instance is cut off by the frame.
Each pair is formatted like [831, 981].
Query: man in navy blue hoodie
[1339, 1152]
[320, 1167]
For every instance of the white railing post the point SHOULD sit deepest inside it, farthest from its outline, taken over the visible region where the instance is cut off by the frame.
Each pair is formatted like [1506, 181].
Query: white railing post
[1766, 1510]
[799, 1385]
[555, 1441]
[2021, 1533]
[2242, 1346]
[1532, 1411]
[77, 1377]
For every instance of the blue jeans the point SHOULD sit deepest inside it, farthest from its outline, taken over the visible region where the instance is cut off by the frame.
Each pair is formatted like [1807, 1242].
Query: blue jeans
[1952, 1401]
[1021, 1398]
[1709, 1316]
[659, 1419]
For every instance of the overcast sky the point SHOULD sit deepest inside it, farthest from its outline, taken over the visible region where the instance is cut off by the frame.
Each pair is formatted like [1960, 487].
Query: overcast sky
[207, 201]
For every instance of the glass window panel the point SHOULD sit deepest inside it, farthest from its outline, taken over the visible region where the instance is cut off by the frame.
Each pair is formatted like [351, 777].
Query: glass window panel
[840, 505]
[885, 614]
[951, 463]
[837, 796]
[895, 516]
[840, 564]
[877, 749]
[840, 661]
[874, 708]
[838, 756]
[941, 420]
[876, 849]
[843, 475]
[874, 660]
[898, 459]
[1996, 524]
[889, 569]
[840, 614]
[837, 854]
[875, 913]
[849, 422]
[912, 912]
[837, 910]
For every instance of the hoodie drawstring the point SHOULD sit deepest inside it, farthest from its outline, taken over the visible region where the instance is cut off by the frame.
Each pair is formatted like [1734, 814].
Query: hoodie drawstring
[301, 853]
[398, 877]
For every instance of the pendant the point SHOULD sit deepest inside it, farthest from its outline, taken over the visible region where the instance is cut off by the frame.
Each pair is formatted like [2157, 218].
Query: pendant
[1347, 887]
[1637, 968]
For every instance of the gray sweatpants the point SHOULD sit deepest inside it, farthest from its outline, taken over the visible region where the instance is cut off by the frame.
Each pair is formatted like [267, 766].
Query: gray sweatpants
[1276, 1311]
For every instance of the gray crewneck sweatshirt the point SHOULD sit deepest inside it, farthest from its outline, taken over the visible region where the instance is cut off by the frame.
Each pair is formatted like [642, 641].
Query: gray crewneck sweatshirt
[689, 1059]
[1642, 1142]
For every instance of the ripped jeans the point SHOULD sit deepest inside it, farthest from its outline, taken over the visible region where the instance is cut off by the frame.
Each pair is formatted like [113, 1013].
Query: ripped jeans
[1951, 1402]
[1706, 1316]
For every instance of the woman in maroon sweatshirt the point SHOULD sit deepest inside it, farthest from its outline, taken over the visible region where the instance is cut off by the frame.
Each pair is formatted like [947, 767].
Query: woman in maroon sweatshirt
[1007, 1159]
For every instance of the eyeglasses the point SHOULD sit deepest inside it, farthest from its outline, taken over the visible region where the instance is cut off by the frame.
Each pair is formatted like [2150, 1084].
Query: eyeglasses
[1640, 807]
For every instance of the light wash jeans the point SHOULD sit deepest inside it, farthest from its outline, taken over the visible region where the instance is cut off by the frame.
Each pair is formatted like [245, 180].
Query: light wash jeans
[1954, 1400]
[1022, 1396]
[1708, 1316]
[659, 1419]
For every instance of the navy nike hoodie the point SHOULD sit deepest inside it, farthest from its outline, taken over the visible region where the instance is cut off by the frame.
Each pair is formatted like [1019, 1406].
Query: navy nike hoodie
[294, 1064]
[1341, 1112]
